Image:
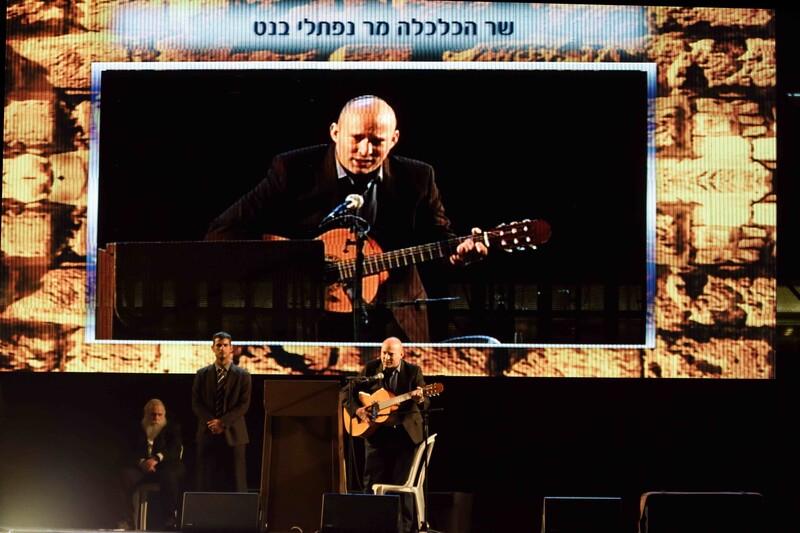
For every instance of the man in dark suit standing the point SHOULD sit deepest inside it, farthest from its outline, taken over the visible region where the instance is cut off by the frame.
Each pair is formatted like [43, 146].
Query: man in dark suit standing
[389, 447]
[400, 204]
[154, 454]
[220, 399]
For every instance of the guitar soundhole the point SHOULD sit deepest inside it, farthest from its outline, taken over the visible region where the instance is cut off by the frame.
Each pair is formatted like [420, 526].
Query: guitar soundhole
[333, 291]
[373, 411]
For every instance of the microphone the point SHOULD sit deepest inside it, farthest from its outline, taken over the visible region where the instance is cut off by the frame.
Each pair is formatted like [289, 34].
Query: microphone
[370, 379]
[353, 201]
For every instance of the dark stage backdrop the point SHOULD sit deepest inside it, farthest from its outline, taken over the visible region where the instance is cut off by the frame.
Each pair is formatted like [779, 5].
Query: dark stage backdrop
[507, 442]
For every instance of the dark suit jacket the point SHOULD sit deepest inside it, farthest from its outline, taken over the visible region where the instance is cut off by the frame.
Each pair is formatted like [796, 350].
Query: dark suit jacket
[238, 388]
[168, 443]
[409, 378]
[302, 187]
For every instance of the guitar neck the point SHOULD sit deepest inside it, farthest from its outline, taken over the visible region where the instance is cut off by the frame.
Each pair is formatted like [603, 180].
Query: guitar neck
[508, 237]
[389, 402]
[410, 256]
[381, 262]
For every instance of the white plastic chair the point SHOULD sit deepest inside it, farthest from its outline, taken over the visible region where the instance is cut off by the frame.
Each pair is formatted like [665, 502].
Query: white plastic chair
[415, 484]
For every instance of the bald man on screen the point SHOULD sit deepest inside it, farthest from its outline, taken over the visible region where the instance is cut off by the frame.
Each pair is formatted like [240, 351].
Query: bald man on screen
[397, 198]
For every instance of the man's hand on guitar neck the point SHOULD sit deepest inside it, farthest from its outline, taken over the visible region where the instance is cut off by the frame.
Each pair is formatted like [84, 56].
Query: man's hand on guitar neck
[417, 395]
[469, 250]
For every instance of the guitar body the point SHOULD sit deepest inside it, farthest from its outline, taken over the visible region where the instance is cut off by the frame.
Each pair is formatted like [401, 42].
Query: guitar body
[339, 246]
[357, 427]
[381, 406]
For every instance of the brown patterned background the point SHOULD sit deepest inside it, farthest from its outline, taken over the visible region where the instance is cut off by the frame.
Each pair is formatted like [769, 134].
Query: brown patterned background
[716, 201]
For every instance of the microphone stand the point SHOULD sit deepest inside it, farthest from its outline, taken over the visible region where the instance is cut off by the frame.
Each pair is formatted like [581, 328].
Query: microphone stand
[359, 228]
[351, 463]
[351, 381]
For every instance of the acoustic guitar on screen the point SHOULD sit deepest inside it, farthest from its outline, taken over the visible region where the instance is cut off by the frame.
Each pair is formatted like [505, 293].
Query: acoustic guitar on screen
[381, 409]
[341, 255]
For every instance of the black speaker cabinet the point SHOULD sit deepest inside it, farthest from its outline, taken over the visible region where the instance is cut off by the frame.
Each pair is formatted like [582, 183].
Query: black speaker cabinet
[450, 511]
[220, 512]
[360, 513]
[702, 512]
[569, 514]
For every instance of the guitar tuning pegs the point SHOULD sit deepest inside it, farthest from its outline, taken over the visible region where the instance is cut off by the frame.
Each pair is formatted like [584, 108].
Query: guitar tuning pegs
[524, 235]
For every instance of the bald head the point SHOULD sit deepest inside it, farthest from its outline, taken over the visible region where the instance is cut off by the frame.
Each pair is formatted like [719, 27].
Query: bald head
[392, 352]
[364, 134]
[370, 105]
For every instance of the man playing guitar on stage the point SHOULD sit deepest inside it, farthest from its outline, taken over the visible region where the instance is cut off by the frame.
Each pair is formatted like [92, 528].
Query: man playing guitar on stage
[396, 197]
[389, 446]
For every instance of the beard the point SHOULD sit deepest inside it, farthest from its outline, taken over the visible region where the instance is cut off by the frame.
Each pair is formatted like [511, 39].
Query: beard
[152, 430]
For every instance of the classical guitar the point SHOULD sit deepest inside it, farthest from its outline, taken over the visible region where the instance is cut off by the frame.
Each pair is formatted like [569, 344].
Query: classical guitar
[381, 406]
[341, 254]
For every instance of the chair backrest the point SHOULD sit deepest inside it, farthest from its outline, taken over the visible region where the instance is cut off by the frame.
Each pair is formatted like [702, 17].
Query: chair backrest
[416, 475]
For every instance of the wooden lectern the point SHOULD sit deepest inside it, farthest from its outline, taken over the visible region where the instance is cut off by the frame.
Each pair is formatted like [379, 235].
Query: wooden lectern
[303, 455]
[255, 290]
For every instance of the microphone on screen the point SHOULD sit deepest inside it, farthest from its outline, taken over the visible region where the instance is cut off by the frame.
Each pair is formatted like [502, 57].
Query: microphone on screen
[351, 203]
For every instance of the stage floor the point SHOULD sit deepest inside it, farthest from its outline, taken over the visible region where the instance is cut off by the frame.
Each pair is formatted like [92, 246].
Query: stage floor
[62, 530]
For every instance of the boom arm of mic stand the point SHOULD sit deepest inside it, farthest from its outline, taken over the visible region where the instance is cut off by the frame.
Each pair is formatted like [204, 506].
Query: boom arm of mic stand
[420, 301]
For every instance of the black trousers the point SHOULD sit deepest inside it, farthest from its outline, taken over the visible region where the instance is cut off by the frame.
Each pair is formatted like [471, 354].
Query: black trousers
[388, 454]
[167, 475]
[220, 467]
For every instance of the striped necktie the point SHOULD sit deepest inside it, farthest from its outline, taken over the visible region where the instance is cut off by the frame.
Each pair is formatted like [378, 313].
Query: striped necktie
[219, 404]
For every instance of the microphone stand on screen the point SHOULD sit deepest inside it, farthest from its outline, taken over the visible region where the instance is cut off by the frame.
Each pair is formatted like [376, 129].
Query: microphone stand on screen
[359, 229]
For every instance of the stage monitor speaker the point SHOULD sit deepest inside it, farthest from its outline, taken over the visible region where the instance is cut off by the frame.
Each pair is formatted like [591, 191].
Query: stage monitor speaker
[449, 511]
[702, 512]
[569, 514]
[360, 513]
[220, 512]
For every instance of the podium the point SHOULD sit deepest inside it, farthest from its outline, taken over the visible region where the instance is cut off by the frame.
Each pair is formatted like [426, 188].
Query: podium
[255, 290]
[303, 452]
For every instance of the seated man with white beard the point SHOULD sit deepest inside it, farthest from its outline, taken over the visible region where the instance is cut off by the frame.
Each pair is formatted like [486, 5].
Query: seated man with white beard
[154, 455]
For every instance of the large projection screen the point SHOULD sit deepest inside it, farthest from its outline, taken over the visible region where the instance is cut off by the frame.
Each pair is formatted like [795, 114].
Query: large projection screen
[644, 136]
